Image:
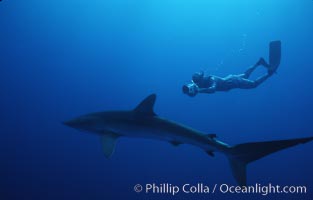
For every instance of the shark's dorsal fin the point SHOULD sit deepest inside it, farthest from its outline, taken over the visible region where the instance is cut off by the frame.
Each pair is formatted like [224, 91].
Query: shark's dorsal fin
[146, 106]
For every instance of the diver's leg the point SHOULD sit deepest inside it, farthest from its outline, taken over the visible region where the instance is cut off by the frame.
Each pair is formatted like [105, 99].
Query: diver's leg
[249, 71]
[261, 79]
[274, 57]
[249, 84]
[263, 63]
[246, 84]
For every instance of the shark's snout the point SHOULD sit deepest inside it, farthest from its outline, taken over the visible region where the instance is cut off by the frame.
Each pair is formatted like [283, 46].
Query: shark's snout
[83, 122]
[70, 123]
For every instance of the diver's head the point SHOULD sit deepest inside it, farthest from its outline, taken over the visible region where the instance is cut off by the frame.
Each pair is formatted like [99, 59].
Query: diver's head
[197, 77]
[190, 89]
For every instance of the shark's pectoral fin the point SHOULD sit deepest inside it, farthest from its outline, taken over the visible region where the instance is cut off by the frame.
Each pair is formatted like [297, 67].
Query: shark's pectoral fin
[108, 142]
[210, 153]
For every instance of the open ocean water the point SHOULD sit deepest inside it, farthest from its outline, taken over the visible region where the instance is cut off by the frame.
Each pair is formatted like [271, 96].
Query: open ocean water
[60, 59]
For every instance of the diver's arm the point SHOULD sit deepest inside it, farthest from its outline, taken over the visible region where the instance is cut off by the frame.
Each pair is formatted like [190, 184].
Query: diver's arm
[209, 90]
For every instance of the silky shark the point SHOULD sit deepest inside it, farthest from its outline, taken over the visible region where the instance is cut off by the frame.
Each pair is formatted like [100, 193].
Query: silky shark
[143, 122]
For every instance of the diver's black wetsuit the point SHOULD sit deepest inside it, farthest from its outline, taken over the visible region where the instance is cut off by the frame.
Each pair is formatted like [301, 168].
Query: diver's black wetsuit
[210, 84]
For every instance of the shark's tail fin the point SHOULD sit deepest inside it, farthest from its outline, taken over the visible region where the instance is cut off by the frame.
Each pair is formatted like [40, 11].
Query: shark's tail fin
[242, 154]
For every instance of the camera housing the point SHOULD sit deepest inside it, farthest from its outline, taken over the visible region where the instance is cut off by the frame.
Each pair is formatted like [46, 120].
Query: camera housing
[190, 89]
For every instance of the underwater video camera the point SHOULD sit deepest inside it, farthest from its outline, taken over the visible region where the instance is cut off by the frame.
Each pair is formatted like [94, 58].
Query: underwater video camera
[190, 89]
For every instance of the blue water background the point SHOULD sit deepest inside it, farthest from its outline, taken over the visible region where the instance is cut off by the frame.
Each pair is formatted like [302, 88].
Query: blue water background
[60, 59]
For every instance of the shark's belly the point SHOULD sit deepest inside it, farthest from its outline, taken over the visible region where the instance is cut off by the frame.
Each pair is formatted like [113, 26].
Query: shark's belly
[143, 132]
[159, 133]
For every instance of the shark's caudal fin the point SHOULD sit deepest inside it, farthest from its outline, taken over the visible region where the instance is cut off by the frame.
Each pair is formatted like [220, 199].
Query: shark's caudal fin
[242, 154]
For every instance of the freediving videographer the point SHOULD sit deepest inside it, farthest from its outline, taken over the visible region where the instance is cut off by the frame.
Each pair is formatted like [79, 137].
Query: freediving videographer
[211, 83]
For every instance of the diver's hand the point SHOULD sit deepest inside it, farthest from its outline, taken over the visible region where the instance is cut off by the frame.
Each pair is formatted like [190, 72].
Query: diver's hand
[196, 88]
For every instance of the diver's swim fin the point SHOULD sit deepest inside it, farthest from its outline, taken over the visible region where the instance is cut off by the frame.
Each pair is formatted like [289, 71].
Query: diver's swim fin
[274, 56]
